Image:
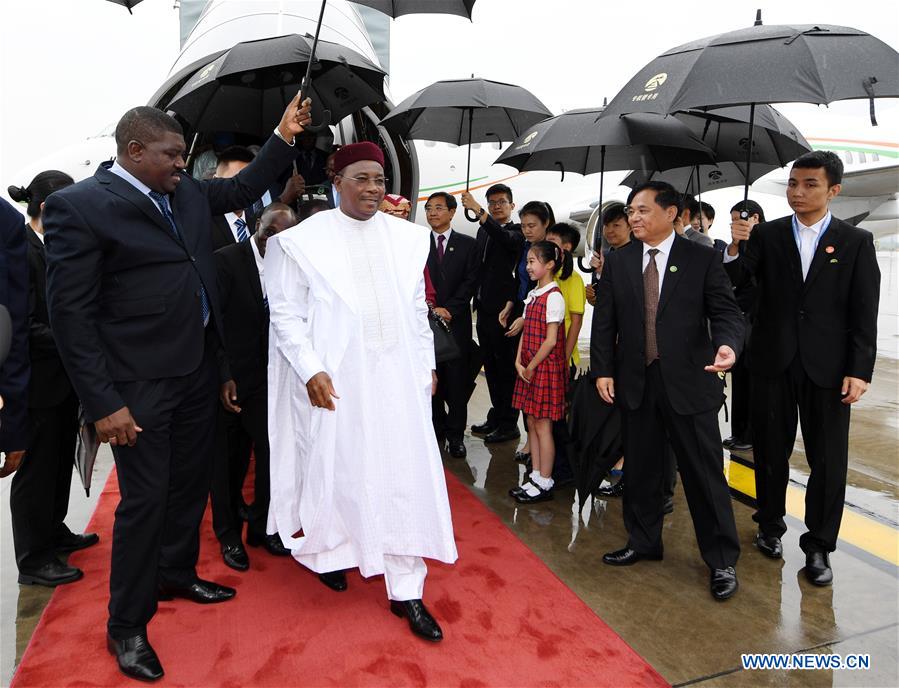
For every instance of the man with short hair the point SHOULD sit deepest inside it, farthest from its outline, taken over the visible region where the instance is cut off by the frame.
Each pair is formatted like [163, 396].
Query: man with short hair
[499, 244]
[659, 355]
[357, 478]
[132, 295]
[236, 225]
[812, 348]
[453, 268]
[243, 416]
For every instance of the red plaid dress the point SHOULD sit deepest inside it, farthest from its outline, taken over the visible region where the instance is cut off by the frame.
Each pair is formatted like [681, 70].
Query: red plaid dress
[544, 397]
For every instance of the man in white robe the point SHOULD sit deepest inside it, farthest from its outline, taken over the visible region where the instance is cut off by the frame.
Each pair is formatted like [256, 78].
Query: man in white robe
[356, 474]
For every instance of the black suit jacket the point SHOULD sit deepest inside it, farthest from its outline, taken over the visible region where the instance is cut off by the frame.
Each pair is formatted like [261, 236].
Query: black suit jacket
[221, 231]
[455, 280]
[829, 319]
[49, 384]
[696, 300]
[245, 319]
[123, 290]
[15, 369]
[498, 250]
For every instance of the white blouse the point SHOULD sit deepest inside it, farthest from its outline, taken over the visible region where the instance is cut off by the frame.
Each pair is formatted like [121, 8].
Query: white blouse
[555, 303]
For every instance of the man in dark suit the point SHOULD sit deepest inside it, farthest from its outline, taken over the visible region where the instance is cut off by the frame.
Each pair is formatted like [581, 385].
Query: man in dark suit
[812, 351]
[499, 244]
[244, 396]
[659, 300]
[453, 266]
[39, 494]
[235, 225]
[15, 369]
[131, 288]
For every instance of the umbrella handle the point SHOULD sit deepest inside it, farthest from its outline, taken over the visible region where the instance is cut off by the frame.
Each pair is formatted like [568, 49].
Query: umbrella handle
[470, 216]
[326, 114]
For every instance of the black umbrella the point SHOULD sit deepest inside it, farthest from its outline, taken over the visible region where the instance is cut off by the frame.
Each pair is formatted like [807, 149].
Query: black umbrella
[397, 8]
[764, 64]
[127, 4]
[595, 443]
[775, 142]
[587, 141]
[247, 88]
[466, 111]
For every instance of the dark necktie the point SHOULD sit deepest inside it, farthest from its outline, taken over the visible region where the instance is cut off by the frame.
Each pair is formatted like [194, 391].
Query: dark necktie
[651, 305]
[242, 233]
[162, 201]
[440, 240]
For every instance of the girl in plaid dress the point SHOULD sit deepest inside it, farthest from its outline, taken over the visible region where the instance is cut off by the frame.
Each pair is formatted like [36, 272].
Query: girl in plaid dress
[542, 369]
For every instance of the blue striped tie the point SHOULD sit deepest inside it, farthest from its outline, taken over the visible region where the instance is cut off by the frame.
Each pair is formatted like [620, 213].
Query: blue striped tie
[163, 202]
[242, 233]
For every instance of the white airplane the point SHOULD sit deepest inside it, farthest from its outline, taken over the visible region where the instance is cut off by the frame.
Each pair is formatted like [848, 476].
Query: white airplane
[421, 167]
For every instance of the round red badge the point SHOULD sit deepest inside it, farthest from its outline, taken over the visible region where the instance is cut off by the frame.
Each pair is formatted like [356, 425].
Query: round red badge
[829, 249]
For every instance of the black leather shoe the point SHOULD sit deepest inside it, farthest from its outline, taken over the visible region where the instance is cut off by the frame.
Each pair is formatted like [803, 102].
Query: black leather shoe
[741, 446]
[484, 428]
[668, 505]
[136, 657]
[272, 543]
[519, 489]
[542, 496]
[336, 580]
[727, 442]
[73, 542]
[769, 545]
[235, 556]
[502, 436]
[201, 592]
[522, 457]
[457, 449]
[817, 568]
[627, 557]
[420, 620]
[723, 583]
[615, 490]
[50, 574]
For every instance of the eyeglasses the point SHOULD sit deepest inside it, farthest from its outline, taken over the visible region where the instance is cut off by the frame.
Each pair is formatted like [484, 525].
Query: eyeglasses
[497, 204]
[435, 208]
[380, 182]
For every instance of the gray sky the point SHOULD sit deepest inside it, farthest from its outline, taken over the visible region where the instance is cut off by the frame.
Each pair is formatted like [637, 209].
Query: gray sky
[68, 68]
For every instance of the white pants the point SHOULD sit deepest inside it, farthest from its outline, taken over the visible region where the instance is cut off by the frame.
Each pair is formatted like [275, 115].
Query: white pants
[405, 577]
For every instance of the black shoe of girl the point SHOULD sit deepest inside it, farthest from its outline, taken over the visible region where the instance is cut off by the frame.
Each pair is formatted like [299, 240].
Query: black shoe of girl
[542, 496]
[515, 491]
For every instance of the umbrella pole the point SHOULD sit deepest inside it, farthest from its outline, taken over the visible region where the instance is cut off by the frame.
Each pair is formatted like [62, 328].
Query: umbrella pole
[469, 214]
[698, 196]
[190, 153]
[597, 231]
[307, 80]
[744, 214]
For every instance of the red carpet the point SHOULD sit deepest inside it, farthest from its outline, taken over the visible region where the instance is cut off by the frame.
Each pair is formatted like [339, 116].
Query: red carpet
[285, 628]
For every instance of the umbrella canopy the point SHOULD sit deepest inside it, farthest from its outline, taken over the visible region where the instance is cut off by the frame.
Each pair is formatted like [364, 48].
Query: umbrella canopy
[466, 111]
[397, 8]
[247, 88]
[586, 141]
[594, 429]
[775, 142]
[764, 64]
[127, 4]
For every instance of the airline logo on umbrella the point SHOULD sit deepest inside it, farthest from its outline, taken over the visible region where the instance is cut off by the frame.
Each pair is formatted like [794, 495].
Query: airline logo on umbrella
[204, 73]
[652, 85]
[527, 140]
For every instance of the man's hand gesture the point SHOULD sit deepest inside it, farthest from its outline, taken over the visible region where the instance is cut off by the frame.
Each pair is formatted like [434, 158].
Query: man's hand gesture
[724, 360]
[295, 118]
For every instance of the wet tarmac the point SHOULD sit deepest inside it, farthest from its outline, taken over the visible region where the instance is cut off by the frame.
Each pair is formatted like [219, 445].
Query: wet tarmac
[664, 609]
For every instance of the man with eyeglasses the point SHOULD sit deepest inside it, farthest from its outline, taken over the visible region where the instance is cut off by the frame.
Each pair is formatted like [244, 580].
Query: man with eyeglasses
[499, 244]
[356, 476]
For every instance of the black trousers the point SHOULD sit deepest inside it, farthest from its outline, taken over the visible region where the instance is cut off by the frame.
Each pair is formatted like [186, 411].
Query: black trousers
[697, 444]
[39, 494]
[236, 435]
[776, 404]
[499, 368]
[164, 483]
[449, 407]
[741, 394]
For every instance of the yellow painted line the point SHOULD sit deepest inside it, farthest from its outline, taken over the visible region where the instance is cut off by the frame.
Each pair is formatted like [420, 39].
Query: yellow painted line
[857, 529]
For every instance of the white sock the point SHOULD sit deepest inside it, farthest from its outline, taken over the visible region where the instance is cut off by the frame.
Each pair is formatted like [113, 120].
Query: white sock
[534, 474]
[531, 490]
[545, 483]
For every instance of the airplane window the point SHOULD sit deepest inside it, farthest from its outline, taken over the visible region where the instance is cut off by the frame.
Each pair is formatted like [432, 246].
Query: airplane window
[875, 157]
[849, 157]
[862, 157]
[430, 144]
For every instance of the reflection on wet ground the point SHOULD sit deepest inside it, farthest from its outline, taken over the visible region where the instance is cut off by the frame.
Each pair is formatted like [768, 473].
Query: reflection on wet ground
[662, 609]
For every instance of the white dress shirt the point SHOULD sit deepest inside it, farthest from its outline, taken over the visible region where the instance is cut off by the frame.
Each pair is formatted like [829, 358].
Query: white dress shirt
[807, 240]
[446, 234]
[260, 265]
[661, 257]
